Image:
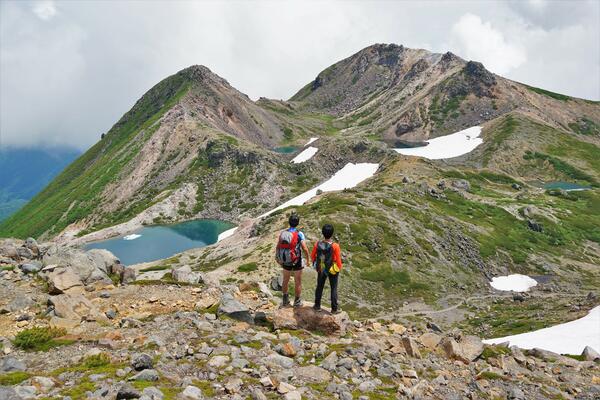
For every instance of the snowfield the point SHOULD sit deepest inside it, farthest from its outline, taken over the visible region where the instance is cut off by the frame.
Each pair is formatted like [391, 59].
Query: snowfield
[305, 155]
[346, 178]
[133, 236]
[312, 139]
[449, 146]
[226, 234]
[568, 338]
[514, 282]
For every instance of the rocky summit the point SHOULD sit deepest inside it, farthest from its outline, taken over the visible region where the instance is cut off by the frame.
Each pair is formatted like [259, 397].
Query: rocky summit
[466, 206]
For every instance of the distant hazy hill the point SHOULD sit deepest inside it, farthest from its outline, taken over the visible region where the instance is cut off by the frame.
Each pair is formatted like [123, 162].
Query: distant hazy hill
[24, 172]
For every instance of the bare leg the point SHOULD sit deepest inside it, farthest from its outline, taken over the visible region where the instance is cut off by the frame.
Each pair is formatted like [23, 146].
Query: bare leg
[286, 280]
[298, 283]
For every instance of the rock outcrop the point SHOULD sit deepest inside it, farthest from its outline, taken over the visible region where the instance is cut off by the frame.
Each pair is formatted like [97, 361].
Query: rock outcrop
[309, 319]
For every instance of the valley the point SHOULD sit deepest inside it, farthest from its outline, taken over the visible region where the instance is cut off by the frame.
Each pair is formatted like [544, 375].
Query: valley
[486, 226]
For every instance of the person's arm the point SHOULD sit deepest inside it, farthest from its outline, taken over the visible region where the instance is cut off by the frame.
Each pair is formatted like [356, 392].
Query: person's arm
[305, 249]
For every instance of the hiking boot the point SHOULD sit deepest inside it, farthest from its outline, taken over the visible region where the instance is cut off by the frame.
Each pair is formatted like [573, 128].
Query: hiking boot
[297, 302]
[285, 302]
[316, 308]
[336, 311]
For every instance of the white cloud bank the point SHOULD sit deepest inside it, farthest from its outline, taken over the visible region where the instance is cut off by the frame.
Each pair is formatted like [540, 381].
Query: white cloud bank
[70, 69]
[479, 40]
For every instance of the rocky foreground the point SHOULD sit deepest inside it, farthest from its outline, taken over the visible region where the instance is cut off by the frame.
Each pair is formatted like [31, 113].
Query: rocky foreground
[76, 324]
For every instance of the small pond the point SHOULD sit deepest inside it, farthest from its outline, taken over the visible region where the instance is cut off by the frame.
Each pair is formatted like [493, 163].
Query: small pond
[162, 241]
[286, 149]
[565, 186]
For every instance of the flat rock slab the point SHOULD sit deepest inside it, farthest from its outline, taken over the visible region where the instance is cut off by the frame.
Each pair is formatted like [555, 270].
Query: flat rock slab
[311, 320]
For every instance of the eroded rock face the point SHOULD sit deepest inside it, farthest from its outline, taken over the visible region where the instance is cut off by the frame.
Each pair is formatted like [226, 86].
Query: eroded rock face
[63, 280]
[91, 266]
[309, 319]
[75, 307]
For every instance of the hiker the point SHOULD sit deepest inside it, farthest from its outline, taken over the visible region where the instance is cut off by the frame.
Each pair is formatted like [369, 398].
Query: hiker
[288, 253]
[327, 260]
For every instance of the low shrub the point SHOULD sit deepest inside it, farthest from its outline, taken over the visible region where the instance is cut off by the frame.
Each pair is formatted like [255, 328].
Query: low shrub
[40, 338]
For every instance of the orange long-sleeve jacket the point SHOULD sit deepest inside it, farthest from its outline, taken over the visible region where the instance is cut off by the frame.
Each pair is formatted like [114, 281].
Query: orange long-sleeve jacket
[337, 254]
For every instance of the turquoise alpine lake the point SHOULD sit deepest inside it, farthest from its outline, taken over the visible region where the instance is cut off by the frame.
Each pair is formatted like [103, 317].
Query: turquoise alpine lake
[565, 186]
[156, 242]
[285, 149]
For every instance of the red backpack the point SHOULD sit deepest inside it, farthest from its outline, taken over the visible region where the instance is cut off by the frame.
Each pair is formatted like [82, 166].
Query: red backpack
[288, 248]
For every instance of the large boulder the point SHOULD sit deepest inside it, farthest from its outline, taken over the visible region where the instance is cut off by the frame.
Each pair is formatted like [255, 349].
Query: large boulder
[466, 349]
[589, 354]
[31, 267]
[186, 275]
[91, 266]
[75, 307]
[309, 319]
[62, 280]
[232, 308]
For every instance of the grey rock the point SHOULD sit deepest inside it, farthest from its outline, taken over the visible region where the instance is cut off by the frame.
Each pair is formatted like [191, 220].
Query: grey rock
[31, 267]
[191, 393]
[111, 314]
[127, 275]
[461, 184]
[26, 392]
[330, 362]
[20, 303]
[8, 393]
[589, 354]
[534, 226]
[232, 308]
[141, 361]
[186, 275]
[150, 375]
[153, 393]
[516, 394]
[126, 391]
[278, 359]
[277, 282]
[257, 394]
[11, 364]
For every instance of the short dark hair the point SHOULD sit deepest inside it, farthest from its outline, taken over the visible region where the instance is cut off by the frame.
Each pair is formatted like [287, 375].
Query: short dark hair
[294, 220]
[327, 231]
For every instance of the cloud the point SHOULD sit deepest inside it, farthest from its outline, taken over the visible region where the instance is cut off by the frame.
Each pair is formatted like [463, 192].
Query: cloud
[45, 9]
[71, 69]
[480, 41]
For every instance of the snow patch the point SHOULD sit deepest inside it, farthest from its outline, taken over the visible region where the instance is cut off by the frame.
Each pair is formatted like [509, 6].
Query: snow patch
[568, 338]
[133, 236]
[346, 178]
[226, 234]
[305, 155]
[312, 139]
[449, 146]
[514, 282]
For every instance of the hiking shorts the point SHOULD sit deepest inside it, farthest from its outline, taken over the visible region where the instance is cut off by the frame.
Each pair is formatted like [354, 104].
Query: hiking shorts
[297, 267]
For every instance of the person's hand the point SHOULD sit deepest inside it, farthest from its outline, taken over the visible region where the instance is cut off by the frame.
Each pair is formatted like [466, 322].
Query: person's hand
[334, 269]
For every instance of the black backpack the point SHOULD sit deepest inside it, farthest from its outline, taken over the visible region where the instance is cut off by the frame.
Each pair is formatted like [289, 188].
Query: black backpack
[324, 254]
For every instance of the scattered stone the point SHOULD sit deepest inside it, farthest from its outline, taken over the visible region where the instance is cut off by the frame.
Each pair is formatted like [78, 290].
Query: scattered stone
[233, 385]
[467, 350]
[11, 364]
[589, 354]
[218, 361]
[232, 308]
[411, 347]
[141, 361]
[191, 393]
[149, 375]
[31, 267]
[126, 391]
[430, 340]
[186, 275]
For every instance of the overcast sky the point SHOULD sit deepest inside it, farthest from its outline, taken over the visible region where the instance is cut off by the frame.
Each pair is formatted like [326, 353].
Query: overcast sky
[69, 70]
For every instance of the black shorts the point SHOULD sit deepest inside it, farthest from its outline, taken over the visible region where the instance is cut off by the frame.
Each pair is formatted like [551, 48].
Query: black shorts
[297, 267]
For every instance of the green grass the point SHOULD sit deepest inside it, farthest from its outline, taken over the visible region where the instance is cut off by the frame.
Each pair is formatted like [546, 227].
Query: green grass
[497, 137]
[40, 338]
[547, 93]
[156, 268]
[248, 267]
[585, 126]
[560, 166]
[13, 378]
[76, 192]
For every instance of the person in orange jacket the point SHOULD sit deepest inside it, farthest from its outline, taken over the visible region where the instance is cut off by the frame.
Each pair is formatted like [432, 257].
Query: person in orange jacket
[327, 260]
